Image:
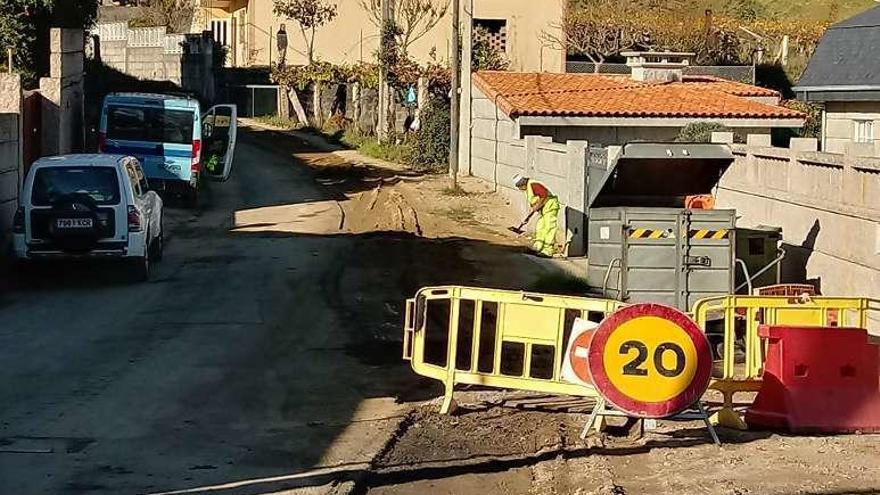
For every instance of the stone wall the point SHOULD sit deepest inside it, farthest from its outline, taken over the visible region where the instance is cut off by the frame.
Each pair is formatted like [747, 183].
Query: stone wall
[63, 124]
[11, 166]
[828, 206]
[356, 104]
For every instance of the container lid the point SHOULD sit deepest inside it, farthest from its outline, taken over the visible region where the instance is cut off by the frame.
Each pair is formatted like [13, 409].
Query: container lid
[658, 174]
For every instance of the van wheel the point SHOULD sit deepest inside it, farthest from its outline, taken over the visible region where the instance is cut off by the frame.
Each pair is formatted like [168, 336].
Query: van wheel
[23, 271]
[192, 198]
[140, 269]
[157, 247]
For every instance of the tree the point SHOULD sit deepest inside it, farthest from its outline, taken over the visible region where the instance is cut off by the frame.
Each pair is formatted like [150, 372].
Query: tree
[602, 29]
[309, 15]
[413, 19]
[24, 27]
[176, 14]
[699, 132]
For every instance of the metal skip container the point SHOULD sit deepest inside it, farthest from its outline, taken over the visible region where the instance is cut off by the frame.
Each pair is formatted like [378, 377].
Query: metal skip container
[644, 245]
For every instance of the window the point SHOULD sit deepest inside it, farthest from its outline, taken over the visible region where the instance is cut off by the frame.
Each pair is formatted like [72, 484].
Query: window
[220, 31]
[157, 125]
[60, 183]
[493, 31]
[864, 131]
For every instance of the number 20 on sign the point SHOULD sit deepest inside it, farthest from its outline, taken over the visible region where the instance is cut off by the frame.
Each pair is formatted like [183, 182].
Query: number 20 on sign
[650, 361]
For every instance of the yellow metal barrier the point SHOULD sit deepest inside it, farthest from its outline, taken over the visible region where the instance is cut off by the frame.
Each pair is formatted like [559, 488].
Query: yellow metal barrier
[740, 316]
[495, 338]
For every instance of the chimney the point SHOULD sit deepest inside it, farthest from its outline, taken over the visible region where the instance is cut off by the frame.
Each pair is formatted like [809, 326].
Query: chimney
[657, 67]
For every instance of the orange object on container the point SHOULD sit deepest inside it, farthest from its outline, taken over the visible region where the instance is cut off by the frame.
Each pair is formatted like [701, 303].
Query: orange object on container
[700, 202]
[818, 379]
[787, 290]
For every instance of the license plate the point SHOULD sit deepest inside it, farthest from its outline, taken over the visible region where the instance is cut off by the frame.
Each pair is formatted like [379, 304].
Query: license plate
[73, 223]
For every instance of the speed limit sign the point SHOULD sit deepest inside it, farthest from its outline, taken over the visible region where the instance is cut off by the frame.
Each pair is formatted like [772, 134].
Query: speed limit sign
[650, 361]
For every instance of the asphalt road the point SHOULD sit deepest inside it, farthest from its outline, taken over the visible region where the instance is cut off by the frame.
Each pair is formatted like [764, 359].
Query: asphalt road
[237, 363]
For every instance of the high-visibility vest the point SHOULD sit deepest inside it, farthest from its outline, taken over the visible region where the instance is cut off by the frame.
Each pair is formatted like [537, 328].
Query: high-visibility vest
[532, 197]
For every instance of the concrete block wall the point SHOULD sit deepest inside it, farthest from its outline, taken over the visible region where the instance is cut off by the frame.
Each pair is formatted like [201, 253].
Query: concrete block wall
[828, 206]
[154, 55]
[497, 153]
[11, 165]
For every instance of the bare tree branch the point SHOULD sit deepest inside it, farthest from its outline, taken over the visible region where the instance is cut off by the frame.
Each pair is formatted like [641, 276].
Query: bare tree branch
[414, 18]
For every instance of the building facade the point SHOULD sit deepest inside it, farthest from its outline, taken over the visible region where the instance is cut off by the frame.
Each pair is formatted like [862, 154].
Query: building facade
[843, 76]
[249, 28]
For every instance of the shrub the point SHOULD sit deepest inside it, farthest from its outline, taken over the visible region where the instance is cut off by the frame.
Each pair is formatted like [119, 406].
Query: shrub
[276, 121]
[813, 126]
[699, 132]
[431, 141]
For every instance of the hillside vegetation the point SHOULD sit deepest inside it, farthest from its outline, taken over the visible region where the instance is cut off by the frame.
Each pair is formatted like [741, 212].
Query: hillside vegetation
[808, 10]
[829, 11]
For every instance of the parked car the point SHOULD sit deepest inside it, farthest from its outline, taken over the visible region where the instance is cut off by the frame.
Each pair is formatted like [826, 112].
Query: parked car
[171, 138]
[89, 206]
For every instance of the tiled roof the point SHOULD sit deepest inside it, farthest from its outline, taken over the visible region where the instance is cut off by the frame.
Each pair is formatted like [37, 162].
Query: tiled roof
[846, 55]
[600, 95]
[730, 87]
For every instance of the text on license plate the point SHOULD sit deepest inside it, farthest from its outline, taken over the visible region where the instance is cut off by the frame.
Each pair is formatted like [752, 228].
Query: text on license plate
[73, 223]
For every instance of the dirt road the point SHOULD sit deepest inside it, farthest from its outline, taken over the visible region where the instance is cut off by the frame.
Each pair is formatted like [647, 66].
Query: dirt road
[264, 357]
[266, 343]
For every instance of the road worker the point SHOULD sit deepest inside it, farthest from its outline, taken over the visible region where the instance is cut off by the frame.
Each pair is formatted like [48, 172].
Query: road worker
[543, 203]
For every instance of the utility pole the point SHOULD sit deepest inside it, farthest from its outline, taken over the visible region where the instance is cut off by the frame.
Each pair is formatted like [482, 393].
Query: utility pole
[382, 131]
[455, 98]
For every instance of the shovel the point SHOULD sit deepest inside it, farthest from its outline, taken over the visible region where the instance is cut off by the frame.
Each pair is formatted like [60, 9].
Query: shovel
[519, 229]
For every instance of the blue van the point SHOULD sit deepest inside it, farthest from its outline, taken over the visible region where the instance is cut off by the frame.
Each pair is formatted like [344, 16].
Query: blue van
[175, 143]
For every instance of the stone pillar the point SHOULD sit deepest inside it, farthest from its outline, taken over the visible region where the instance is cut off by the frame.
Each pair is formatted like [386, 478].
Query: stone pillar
[283, 105]
[804, 144]
[356, 105]
[11, 155]
[317, 111]
[422, 96]
[575, 219]
[63, 93]
[722, 137]
[532, 154]
[761, 140]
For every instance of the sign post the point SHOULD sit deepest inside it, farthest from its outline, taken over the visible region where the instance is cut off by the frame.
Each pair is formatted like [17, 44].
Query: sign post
[650, 361]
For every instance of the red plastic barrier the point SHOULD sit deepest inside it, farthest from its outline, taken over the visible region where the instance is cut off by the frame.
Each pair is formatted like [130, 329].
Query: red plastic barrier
[818, 379]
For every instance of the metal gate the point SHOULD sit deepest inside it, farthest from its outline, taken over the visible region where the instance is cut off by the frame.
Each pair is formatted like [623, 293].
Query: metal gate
[32, 129]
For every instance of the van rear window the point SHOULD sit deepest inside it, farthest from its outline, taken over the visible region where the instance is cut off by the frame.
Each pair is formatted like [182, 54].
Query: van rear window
[155, 125]
[61, 183]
